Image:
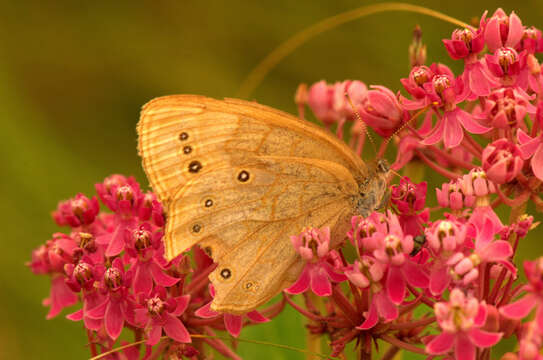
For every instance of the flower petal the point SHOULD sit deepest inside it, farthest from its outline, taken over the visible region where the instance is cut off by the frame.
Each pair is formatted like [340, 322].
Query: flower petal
[537, 163]
[302, 284]
[464, 348]
[114, 319]
[206, 312]
[414, 275]
[320, 284]
[440, 344]
[386, 308]
[161, 278]
[520, 308]
[439, 280]
[175, 329]
[371, 318]
[483, 338]
[395, 285]
[257, 317]
[436, 135]
[154, 335]
[233, 324]
[452, 132]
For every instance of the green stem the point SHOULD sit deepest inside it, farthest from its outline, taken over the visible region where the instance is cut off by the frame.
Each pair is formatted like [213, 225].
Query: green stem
[258, 73]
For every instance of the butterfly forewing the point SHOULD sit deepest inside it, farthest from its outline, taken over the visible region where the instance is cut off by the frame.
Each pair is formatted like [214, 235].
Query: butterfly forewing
[239, 179]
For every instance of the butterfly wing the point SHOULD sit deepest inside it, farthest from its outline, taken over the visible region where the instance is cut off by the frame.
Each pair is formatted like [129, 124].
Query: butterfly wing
[239, 178]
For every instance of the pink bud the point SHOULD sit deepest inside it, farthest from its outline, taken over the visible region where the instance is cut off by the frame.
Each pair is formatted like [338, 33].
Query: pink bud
[502, 161]
[502, 30]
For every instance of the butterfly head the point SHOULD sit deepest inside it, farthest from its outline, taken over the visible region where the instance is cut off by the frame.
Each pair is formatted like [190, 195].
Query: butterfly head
[372, 189]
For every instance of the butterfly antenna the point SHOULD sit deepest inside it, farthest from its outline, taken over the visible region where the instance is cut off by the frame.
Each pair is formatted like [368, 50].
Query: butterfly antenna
[359, 118]
[404, 125]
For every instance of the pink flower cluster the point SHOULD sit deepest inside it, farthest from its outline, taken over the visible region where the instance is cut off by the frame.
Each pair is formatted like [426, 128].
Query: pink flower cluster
[112, 264]
[434, 280]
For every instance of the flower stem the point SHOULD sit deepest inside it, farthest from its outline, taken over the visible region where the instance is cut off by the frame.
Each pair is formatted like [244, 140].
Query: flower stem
[259, 72]
[439, 169]
[403, 345]
[391, 352]
[345, 306]
[313, 341]
[412, 324]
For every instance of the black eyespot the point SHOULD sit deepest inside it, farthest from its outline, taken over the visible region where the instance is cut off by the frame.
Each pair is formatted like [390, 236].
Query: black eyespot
[195, 166]
[196, 228]
[208, 203]
[183, 136]
[226, 273]
[243, 176]
[248, 285]
[187, 149]
[208, 251]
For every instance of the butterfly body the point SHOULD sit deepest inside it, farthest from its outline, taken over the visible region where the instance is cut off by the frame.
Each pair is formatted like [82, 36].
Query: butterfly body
[239, 178]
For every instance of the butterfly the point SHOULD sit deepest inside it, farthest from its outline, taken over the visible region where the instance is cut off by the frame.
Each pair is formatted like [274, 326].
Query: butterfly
[239, 178]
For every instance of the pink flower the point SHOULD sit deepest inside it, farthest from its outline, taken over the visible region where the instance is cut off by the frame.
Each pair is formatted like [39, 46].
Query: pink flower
[461, 319]
[368, 274]
[123, 196]
[329, 104]
[357, 92]
[394, 250]
[466, 44]
[409, 200]
[382, 111]
[161, 312]
[531, 41]
[447, 92]
[421, 85]
[363, 231]
[77, 211]
[118, 305]
[451, 195]
[320, 269]
[506, 64]
[502, 30]
[147, 259]
[533, 148]
[60, 296]
[502, 161]
[534, 297]
[418, 76]
[120, 194]
[487, 250]
[506, 108]
[530, 342]
[232, 323]
[477, 183]
[444, 238]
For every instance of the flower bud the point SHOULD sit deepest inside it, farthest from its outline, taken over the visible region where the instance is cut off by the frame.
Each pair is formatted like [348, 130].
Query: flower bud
[502, 161]
[113, 278]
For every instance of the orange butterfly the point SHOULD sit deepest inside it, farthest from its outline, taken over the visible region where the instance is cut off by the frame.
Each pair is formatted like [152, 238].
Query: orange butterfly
[238, 179]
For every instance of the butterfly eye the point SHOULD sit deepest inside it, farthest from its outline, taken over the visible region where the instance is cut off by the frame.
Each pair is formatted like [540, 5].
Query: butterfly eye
[183, 136]
[187, 150]
[243, 176]
[226, 273]
[195, 166]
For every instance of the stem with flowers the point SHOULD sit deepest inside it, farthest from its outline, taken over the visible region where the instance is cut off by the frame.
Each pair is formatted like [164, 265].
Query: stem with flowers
[438, 281]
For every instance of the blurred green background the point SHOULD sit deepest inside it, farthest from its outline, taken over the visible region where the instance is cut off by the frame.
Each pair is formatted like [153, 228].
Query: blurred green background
[73, 76]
